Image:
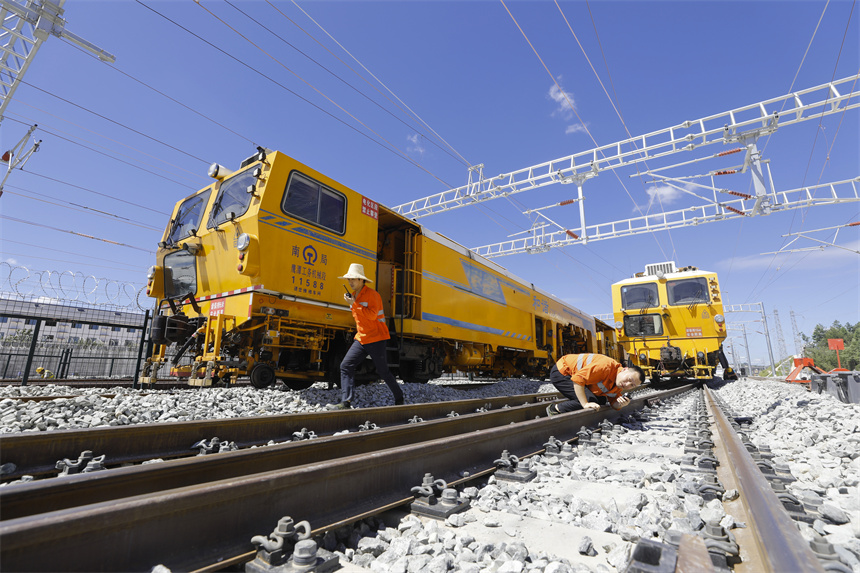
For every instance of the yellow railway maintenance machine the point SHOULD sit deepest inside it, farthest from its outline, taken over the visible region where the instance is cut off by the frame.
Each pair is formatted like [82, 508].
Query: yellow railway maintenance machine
[670, 322]
[246, 281]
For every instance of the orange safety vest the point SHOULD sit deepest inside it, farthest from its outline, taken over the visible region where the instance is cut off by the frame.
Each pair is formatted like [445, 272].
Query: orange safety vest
[594, 371]
[369, 316]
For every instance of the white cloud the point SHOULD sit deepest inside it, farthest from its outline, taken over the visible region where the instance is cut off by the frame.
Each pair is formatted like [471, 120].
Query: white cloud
[415, 147]
[12, 262]
[574, 128]
[565, 101]
[660, 196]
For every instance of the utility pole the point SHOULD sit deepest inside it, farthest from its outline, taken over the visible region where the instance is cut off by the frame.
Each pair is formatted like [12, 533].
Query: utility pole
[747, 344]
[798, 341]
[780, 340]
[23, 29]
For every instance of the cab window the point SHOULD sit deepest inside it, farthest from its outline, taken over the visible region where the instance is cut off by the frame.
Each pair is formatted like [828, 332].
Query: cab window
[688, 291]
[315, 203]
[188, 217]
[639, 296]
[643, 325]
[233, 198]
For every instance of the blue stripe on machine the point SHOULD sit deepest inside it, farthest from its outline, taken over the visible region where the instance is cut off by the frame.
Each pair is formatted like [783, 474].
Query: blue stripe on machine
[283, 223]
[460, 323]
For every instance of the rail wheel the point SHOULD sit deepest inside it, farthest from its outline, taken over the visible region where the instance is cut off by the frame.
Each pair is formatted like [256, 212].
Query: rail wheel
[408, 375]
[293, 384]
[262, 375]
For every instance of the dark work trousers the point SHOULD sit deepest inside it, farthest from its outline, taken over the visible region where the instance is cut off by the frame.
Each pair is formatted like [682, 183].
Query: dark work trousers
[358, 352]
[565, 385]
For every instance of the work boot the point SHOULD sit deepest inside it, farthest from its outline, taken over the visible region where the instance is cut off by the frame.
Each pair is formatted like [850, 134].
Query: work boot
[341, 406]
[551, 410]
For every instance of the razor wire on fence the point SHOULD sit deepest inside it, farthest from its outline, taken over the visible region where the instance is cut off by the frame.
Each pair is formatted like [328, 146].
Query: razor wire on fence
[68, 286]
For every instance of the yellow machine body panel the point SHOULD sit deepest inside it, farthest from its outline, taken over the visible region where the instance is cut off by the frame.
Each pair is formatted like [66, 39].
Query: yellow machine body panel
[247, 283]
[671, 322]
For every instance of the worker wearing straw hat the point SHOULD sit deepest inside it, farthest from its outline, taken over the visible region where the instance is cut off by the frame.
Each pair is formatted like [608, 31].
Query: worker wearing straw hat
[371, 338]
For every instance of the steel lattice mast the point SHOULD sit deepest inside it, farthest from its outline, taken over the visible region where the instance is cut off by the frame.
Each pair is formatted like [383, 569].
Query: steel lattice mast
[780, 339]
[798, 342]
[23, 29]
[759, 308]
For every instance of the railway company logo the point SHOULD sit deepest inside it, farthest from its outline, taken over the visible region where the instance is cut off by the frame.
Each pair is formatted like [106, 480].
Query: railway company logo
[309, 254]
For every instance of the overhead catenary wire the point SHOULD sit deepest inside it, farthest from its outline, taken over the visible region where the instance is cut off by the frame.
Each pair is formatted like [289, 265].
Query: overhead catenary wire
[280, 85]
[174, 100]
[71, 137]
[378, 80]
[812, 150]
[620, 117]
[79, 144]
[35, 174]
[78, 207]
[573, 109]
[86, 236]
[117, 123]
[337, 77]
[77, 254]
[318, 91]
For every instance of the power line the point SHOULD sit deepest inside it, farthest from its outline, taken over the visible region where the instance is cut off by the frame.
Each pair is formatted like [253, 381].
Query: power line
[166, 214]
[377, 79]
[307, 83]
[52, 249]
[117, 123]
[174, 100]
[79, 208]
[280, 85]
[79, 144]
[17, 220]
[140, 151]
[573, 109]
[337, 77]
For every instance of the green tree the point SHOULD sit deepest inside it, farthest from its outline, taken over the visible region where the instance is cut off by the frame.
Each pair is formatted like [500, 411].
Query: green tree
[817, 347]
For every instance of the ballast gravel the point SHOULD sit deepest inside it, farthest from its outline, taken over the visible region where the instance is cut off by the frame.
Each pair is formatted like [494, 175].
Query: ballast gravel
[88, 409]
[579, 515]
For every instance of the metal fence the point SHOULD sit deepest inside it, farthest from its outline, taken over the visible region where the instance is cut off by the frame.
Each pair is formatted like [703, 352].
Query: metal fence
[63, 360]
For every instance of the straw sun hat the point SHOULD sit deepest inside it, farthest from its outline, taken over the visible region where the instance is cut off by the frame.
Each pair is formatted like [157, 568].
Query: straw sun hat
[356, 271]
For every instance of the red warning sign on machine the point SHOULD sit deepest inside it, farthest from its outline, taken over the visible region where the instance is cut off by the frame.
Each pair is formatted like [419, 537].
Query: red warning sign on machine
[370, 208]
[217, 307]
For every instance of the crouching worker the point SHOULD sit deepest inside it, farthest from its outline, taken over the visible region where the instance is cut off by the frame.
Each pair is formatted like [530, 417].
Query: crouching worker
[366, 306]
[580, 377]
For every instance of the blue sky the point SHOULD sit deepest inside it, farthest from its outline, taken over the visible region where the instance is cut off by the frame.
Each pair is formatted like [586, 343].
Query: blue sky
[469, 73]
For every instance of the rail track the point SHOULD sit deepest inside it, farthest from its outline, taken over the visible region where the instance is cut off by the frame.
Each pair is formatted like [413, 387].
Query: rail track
[165, 511]
[199, 512]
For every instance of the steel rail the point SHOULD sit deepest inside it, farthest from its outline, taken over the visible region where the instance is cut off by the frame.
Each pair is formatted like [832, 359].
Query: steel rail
[42, 496]
[36, 453]
[780, 544]
[191, 527]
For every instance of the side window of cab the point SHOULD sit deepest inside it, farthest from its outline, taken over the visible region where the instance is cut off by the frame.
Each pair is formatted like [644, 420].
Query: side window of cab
[315, 203]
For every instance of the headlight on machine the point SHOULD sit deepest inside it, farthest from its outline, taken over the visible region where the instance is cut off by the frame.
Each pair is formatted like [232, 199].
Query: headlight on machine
[150, 274]
[643, 357]
[619, 325]
[243, 241]
[720, 319]
[700, 356]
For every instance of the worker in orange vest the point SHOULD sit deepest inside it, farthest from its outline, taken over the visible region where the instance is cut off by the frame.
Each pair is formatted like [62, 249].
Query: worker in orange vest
[580, 377]
[371, 338]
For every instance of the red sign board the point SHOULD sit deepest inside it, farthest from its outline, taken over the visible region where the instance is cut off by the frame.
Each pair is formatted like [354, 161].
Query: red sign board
[217, 307]
[370, 208]
[835, 344]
